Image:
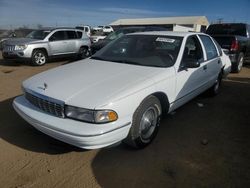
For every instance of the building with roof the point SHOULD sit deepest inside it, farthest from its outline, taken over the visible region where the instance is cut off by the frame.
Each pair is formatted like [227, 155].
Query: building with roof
[183, 23]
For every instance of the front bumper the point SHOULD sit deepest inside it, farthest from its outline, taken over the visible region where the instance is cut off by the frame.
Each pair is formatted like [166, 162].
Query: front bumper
[80, 134]
[10, 53]
[12, 56]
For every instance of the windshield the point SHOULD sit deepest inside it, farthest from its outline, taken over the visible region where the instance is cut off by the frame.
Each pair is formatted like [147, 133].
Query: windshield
[6, 34]
[38, 34]
[115, 35]
[144, 50]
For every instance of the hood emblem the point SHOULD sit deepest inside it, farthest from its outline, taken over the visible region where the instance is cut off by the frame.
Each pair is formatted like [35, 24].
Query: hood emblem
[45, 86]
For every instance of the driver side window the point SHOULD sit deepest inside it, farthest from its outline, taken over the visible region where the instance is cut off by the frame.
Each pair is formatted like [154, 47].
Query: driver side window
[192, 51]
[59, 35]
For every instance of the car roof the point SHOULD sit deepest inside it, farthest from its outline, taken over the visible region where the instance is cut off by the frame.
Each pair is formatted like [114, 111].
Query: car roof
[167, 33]
[138, 27]
[59, 28]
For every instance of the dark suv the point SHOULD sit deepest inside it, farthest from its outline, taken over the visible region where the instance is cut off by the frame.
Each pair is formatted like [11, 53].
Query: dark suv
[235, 37]
[112, 36]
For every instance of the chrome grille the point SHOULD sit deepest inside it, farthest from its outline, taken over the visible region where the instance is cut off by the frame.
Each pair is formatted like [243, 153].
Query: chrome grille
[9, 48]
[46, 105]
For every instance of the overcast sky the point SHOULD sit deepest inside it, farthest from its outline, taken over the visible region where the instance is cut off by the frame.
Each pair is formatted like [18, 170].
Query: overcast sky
[15, 13]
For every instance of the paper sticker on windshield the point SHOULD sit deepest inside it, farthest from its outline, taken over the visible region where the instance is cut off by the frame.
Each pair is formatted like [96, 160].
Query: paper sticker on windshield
[162, 39]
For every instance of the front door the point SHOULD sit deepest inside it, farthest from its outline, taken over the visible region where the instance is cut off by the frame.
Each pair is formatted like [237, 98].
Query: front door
[58, 43]
[190, 81]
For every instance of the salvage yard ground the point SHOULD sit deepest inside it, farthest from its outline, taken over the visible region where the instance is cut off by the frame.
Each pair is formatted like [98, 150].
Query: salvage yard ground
[205, 143]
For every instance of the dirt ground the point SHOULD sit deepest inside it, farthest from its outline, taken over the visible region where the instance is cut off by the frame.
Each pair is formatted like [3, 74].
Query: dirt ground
[178, 157]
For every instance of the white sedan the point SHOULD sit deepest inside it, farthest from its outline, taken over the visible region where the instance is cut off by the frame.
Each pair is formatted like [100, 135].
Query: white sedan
[122, 91]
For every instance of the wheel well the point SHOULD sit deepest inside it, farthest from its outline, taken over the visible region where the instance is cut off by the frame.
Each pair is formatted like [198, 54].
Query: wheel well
[163, 100]
[243, 50]
[84, 47]
[42, 49]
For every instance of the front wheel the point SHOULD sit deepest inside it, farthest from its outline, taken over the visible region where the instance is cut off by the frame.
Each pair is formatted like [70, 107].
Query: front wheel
[146, 120]
[39, 58]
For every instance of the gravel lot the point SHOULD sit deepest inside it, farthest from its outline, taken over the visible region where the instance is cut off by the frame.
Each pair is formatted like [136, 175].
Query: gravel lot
[205, 143]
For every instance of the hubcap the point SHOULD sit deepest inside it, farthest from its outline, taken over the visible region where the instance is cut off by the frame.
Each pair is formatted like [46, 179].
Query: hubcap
[148, 122]
[240, 63]
[216, 87]
[40, 58]
[84, 52]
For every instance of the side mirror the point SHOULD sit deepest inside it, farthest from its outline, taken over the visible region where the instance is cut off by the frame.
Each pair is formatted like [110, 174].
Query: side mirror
[192, 63]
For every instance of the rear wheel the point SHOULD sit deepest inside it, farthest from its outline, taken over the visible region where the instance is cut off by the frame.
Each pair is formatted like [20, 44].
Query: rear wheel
[145, 123]
[39, 58]
[214, 90]
[237, 68]
[83, 53]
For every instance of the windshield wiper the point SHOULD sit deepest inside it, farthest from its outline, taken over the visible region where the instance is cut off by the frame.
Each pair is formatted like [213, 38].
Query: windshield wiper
[126, 62]
[98, 58]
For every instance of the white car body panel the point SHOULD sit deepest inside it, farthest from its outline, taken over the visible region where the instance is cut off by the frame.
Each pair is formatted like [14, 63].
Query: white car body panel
[109, 78]
[94, 84]
[226, 63]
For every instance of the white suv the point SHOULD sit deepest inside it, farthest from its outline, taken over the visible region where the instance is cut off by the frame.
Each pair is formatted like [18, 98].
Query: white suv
[42, 44]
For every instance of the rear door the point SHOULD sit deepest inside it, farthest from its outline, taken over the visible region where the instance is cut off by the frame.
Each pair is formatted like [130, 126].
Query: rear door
[71, 41]
[213, 62]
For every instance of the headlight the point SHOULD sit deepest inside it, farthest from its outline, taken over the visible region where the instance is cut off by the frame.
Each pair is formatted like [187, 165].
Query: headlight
[21, 47]
[92, 116]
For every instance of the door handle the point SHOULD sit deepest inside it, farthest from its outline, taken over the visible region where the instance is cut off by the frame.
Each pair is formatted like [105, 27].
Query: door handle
[219, 61]
[205, 67]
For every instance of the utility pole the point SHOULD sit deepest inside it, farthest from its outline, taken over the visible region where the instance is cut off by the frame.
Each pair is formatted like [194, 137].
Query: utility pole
[220, 20]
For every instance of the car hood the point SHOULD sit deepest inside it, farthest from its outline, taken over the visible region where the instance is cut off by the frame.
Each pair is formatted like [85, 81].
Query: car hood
[19, 41]
[92, 83]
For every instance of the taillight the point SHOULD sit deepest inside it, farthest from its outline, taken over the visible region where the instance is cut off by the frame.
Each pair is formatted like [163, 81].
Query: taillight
[234, 45]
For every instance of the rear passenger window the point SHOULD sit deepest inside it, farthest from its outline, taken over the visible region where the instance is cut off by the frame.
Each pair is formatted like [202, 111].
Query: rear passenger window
[218, 47]
[79, 34]
[209, 47]
[71, 34]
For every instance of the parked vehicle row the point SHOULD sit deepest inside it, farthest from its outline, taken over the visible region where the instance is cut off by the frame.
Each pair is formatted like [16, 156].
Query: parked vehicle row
[232, 37]
[40, 45]
[85, 28]
[122, 91]
[105, 29]
[235, 37]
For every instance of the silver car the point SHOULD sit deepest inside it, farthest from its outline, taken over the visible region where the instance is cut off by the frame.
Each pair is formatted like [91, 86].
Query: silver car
[40, 45]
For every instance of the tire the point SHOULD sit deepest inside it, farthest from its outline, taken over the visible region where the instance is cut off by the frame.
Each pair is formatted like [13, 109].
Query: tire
[83, 53]
[145, 124]
[237, 68]
[39, 57]
[215, 89]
